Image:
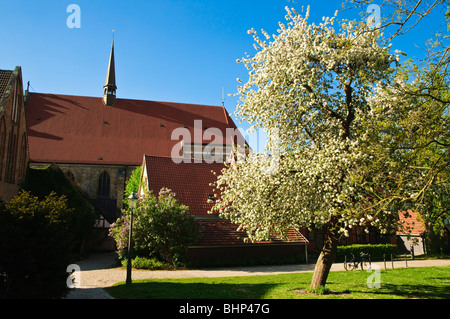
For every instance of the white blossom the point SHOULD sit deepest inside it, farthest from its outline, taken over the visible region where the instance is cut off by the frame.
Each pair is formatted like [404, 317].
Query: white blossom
[306, 84]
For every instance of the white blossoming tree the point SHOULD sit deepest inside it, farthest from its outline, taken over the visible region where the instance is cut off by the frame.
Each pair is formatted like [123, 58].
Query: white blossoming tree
[311, 85]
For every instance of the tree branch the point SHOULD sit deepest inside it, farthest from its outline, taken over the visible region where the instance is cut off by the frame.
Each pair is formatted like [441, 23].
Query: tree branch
[350, 110]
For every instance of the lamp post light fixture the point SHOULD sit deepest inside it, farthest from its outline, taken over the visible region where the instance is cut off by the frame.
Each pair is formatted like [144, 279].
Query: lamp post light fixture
[132, 199]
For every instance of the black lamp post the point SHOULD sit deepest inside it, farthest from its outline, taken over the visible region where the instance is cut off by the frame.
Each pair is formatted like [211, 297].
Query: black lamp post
[132, 199]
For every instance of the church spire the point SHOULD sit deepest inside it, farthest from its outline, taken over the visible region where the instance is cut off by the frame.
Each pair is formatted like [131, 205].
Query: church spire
[109, 93]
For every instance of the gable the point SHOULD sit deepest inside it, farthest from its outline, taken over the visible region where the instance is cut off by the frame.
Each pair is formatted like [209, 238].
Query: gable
[189, 181]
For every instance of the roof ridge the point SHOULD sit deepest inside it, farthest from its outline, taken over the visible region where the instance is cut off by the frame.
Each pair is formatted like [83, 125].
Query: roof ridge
[128, 99]
[226, 115]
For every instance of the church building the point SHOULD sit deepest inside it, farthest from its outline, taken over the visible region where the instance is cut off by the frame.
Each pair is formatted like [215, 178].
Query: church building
[99, 141]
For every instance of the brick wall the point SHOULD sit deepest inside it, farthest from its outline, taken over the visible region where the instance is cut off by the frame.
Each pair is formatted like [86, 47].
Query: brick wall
[13, 137]
[86, 176]
[206, 255]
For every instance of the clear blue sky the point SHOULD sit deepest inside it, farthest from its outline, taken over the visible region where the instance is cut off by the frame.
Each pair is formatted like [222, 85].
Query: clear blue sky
[166, 50]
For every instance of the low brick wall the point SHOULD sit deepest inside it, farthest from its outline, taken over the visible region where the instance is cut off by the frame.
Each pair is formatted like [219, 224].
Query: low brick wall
[236, 254]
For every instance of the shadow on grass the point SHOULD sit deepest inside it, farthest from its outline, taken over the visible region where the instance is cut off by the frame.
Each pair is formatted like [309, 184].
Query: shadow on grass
[414, 291]
[425, 283]
[168, 290]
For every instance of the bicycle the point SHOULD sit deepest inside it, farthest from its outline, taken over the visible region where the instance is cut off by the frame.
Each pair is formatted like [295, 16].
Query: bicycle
[363, 260]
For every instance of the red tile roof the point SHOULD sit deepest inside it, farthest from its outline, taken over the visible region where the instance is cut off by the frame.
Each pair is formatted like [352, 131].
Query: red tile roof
[189, 181]
[410, 223]
[223, 232]
[191, 184]
[81, 129]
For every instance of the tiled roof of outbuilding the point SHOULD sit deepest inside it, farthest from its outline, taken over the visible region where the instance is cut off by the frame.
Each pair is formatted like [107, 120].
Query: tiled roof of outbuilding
[223, 232]
[191, 184]
[189, 181]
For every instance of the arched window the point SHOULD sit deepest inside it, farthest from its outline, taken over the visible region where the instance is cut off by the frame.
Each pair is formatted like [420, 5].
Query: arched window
[11, 155]
[70, 175]
[23, 158]
[15, 115]
[103, 185]
[2, 146]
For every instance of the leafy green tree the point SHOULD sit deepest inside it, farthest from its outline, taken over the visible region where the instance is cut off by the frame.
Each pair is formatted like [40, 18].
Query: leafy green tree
[411, 134]
[435, 211]
[132, 184]
[163, 228]
[414, 130]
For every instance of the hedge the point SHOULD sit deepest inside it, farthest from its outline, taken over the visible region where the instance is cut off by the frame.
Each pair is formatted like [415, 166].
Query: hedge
[35, 247]
[376, 252]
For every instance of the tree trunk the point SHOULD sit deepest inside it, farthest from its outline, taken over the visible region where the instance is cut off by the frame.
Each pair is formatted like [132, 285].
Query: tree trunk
[325, 260]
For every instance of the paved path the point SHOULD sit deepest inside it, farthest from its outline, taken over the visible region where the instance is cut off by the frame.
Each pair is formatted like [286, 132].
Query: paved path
[100, 271]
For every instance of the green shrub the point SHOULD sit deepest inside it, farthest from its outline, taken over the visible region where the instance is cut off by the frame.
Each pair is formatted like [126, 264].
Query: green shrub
[163, 228]
[146, 263]
[376, 252]
[35, 247]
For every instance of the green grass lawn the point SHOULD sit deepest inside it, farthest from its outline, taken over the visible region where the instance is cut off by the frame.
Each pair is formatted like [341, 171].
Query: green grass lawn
[427, 283]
